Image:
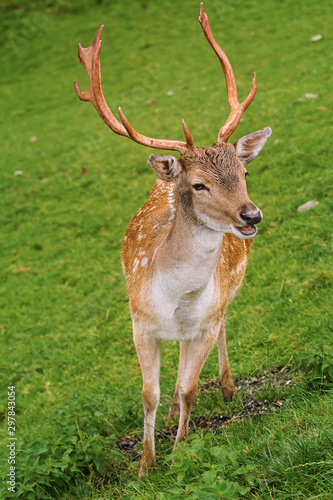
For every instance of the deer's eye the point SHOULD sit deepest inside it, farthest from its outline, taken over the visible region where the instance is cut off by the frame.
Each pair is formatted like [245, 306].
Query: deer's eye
[200, 187]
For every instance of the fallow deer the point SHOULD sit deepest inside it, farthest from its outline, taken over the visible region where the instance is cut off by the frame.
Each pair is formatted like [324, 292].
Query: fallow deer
[185, 252]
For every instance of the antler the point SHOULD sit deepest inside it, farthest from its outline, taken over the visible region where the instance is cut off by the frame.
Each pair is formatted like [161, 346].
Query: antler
[90, 60]
[237, 109]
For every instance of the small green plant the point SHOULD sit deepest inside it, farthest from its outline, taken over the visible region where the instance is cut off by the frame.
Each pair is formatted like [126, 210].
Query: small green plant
[318, 369]
[75, 442]
[223, 474]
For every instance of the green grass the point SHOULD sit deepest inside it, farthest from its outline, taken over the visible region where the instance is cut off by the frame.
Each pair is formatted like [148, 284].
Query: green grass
[65, 326]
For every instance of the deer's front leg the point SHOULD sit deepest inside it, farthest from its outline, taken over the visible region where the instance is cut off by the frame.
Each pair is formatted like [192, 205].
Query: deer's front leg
[225, 376]
[196, 355]
[175, 406]
[149, 354]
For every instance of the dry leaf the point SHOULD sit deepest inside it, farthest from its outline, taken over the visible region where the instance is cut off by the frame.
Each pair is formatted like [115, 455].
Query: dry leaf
[306, 206]
[20, 270]
[316, 38]
[150, 102]
[310, 96]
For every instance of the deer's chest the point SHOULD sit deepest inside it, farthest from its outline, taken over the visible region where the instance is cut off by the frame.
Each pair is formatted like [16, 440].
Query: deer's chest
[181, 313]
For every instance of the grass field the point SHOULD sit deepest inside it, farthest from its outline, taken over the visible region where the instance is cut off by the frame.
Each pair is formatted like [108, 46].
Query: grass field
[69, 187]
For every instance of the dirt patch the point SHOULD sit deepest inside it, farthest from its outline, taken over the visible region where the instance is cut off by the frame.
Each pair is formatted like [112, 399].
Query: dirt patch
[277, 378]
[252, 409]
[127, 444]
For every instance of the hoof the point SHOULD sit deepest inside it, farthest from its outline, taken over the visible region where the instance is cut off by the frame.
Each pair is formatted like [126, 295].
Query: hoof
[143, 472]
[174, 412]
[147, 460]
[228, 391]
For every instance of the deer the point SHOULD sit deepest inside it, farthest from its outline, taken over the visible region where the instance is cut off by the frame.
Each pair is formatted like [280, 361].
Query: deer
[185, 251]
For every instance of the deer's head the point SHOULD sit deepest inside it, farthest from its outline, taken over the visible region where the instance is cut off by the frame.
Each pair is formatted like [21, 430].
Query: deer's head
[211, 181]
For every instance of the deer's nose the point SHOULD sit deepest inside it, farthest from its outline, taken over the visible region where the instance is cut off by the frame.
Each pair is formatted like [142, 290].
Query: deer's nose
[251, 218]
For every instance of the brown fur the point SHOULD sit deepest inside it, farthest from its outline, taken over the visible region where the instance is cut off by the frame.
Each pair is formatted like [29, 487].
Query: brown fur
[184, 254]
[152, 243]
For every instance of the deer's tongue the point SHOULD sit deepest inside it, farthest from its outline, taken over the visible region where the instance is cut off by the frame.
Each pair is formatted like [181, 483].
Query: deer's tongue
[248, 229]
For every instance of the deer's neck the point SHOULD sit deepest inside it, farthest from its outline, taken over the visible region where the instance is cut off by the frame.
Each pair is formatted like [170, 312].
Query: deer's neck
[189, 255]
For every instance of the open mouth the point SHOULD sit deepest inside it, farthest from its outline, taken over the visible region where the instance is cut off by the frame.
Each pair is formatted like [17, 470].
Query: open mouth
[248, 230]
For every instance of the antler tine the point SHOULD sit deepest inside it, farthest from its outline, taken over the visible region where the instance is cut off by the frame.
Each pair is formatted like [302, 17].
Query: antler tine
[152, 143]
[90, 60]
[236, 109]
[189, 140]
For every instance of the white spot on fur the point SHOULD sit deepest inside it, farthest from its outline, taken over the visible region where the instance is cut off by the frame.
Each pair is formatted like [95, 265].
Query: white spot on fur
[239, 268]
[135, 264]
[171, 199]
[144, 261]
[154, 254]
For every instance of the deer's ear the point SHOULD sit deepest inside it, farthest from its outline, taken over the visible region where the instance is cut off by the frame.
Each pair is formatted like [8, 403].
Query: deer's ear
[167, 167]
[249, 146]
